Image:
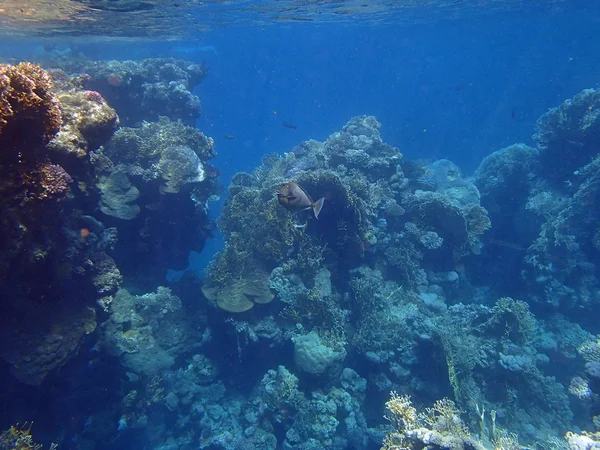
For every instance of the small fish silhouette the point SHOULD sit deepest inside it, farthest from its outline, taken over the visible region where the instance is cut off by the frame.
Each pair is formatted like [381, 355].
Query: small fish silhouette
[229, 136]
[289, 125]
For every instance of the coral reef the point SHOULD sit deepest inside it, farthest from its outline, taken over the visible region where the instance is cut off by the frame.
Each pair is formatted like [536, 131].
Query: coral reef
[46, 233]
[155, 182]
[358, 205]
[437, 427]
[414, 280]
[29, 111]
[560, 263]
[567, 135]
[87, 120]
[140, 90]
[545, 201]
[19, 438]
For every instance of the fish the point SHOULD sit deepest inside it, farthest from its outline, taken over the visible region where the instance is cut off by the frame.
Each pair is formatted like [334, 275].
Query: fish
[229, 136]
[575, 143]
[289, 125]
[293, 198]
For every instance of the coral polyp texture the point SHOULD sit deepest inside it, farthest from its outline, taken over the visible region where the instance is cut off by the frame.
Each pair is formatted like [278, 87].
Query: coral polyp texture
[29, 111]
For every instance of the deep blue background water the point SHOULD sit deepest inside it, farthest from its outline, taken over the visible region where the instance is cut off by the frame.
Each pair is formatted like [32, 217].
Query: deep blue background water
[459, 88]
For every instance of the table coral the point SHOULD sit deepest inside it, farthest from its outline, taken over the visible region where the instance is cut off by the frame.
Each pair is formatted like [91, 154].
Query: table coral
[241, 294]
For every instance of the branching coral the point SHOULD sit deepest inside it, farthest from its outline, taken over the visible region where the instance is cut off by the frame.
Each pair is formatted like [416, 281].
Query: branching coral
[19, 438]
[590, 349]
[445, 418]
[513, 319]
[437, 427]
[402, 413]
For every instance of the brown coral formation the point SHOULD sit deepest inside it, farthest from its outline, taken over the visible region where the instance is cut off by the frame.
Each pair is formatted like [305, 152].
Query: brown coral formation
[29, 111]
[55, 180]
[51, 273]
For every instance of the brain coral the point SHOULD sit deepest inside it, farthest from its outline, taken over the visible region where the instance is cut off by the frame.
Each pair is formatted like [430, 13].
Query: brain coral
[313, 356]
[29, 112]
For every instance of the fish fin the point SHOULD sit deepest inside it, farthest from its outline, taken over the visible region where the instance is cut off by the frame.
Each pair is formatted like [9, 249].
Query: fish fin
[317, 206]
[305, 193]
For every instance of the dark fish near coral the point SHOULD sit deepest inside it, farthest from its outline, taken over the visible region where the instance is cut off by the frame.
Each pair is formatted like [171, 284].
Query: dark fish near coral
[289, 125]
[229, 136]
[292, 197]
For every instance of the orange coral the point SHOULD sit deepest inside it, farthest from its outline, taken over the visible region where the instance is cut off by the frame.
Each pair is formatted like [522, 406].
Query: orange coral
[29, 111]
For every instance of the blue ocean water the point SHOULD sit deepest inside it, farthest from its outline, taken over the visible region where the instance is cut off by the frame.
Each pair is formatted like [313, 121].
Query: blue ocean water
[161, 290]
